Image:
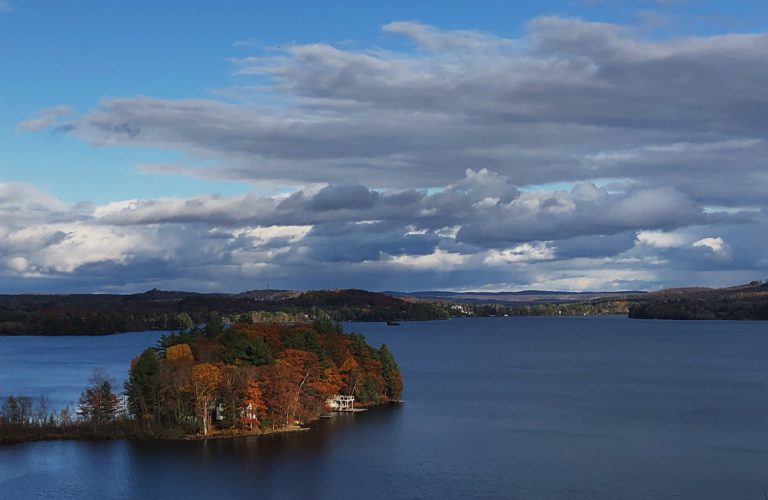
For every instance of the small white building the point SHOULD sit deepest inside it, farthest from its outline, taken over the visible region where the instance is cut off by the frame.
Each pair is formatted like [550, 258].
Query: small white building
[341, 403]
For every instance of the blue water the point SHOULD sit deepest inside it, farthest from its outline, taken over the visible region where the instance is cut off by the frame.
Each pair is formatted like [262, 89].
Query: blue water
[59, 367]
[592, 408]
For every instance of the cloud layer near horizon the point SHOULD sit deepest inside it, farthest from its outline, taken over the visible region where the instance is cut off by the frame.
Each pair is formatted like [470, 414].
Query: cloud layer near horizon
[580, 156]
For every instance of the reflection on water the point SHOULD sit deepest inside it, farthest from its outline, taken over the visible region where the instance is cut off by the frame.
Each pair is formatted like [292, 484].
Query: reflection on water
[286, 465]
[545, 408]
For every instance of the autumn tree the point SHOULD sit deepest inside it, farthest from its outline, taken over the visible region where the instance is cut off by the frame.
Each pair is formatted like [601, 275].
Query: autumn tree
[254, 406]
[350, 371]
[281, 380]
[98, 404]
[310, 389]
[173, 381]
[179, 352]
[204, 380]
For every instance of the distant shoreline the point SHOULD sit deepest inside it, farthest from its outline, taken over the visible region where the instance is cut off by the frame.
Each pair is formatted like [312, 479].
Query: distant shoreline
[95, 315]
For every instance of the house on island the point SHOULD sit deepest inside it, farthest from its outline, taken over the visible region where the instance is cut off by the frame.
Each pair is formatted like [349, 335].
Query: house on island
[341, 403]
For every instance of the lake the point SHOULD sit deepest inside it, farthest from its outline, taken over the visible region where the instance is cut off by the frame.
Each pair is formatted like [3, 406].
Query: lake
[546, 407]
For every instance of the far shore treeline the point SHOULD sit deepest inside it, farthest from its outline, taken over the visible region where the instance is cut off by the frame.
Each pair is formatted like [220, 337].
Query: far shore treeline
[96, 314]
[247, 378]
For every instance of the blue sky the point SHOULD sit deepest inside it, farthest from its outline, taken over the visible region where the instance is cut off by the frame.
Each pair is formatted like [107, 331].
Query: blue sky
[86, 55]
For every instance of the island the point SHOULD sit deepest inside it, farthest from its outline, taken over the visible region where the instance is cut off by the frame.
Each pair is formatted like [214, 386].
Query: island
[220, 381]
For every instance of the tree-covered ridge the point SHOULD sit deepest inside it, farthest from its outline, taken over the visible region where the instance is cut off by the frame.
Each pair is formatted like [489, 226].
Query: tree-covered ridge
[254, 377]
[96, 314]
[743, 302]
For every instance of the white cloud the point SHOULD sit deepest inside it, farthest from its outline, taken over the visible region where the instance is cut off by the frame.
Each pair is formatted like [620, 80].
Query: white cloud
[579, 155]
[716, 244]
[44, 118]
[479, 230]
[17, 264]
[439, 260]
[525, 252]
[660, 239]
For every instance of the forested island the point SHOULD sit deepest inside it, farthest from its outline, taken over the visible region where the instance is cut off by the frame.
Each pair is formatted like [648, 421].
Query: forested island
[248, 378]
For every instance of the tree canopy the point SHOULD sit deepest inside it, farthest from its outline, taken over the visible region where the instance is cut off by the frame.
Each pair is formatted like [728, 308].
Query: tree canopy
[255, 376]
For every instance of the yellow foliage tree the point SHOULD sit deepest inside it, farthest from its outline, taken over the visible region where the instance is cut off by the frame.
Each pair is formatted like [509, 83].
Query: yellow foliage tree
[204, 380]
[179, 352]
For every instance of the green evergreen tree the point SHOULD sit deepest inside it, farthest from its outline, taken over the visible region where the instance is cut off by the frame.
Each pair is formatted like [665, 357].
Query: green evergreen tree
[141, 387]
[249, 351]
[389, 372]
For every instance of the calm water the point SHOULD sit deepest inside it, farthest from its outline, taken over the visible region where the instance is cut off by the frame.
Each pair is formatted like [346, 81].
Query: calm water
[544, 408]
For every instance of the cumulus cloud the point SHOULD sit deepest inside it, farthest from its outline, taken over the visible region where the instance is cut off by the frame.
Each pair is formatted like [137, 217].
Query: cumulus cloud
[716, 244]
[476, 232]
[579, 155]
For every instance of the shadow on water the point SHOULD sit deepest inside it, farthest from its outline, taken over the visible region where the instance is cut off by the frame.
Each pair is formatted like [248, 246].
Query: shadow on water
[283, 465]
[303, 445]
[293, 464]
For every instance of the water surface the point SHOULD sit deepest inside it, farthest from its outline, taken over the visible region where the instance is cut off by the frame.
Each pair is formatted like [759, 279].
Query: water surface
[495, 408]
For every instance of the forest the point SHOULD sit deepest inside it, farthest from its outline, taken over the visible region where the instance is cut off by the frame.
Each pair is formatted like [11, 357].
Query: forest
[102, 314]
[596, 307]
[742, 302]
[247, 378]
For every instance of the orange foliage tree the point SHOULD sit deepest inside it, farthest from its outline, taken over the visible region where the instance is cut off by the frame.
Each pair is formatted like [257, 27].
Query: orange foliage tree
[254, 406]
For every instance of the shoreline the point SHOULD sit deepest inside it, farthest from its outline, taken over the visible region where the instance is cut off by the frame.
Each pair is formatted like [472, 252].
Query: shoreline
[128, 434]
[93, 435]
[236, 434]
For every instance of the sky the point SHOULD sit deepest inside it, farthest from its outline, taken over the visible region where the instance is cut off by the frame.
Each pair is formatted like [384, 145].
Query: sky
[400, 145]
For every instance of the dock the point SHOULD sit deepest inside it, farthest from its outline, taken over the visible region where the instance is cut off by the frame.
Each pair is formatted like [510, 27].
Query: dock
[343, 404]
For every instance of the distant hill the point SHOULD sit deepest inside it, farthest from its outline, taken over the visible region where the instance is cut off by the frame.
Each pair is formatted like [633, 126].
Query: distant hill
[512, 298]
[742, 302]
[99, 314]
